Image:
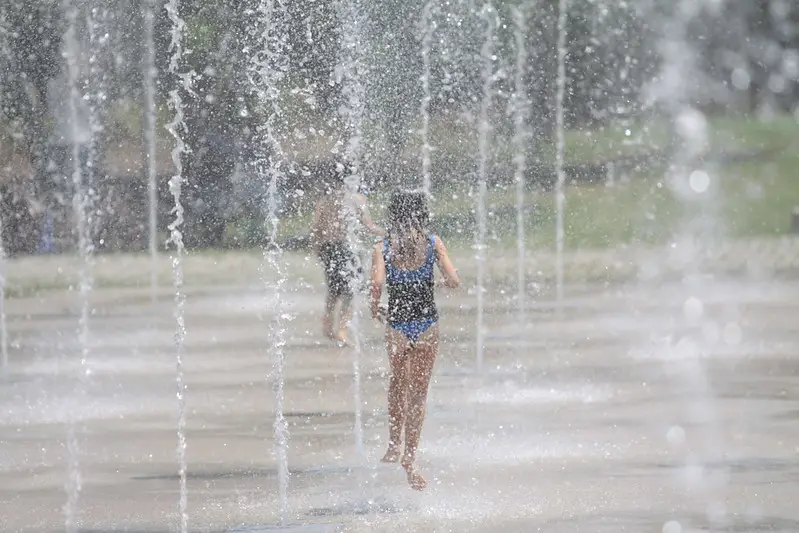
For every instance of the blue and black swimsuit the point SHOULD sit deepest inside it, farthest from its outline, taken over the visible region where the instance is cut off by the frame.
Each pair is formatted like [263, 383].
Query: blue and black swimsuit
[411, 302]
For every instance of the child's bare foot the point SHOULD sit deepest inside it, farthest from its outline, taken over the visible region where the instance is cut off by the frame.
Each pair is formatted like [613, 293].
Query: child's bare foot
[392, 455]
[342, 339]
[415, 479]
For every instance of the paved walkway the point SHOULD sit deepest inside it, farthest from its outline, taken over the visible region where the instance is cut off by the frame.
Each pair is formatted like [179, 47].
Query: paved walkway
[644, 407]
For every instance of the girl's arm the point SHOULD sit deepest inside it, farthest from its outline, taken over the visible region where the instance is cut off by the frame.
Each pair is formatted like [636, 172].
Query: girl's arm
[378, 279]
[451, 277]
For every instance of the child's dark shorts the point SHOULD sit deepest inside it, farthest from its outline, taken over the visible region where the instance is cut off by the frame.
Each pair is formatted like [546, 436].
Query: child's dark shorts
[342, 269]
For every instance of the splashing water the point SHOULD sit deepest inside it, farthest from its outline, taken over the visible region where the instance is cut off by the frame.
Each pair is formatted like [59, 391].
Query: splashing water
[673, 91]
[520, 137]
[353, 71]
[175, 127]
[149, 137]
[428, 27]
[74, 481]
[560, 146]
[484, 131]
[266, 70]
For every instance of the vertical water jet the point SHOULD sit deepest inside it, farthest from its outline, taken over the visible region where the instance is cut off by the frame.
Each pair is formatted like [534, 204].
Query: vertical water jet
[520, 137]
[95, 98]
[5, 64]
[176, 128]
[3, 324]
[428, 28]
[266, 69]
[560, 146]
[74, 97]
[352, 31]
[677, 91]
[484, 132]
[149, 139]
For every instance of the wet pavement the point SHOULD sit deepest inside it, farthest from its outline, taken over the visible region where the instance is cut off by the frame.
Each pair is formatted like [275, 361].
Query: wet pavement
[637, 408]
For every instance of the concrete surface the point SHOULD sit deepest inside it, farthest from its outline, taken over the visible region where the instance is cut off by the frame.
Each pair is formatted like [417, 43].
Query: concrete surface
[646, 407]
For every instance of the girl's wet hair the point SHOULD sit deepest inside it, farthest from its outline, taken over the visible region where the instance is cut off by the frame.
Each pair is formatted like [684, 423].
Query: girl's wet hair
[408, 210]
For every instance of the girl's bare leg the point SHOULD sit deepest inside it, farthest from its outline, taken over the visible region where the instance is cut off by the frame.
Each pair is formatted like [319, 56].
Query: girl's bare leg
[421, 359]
[398, 346]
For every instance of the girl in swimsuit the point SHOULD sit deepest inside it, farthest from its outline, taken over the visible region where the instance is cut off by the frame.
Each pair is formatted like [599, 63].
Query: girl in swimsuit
[405, 261]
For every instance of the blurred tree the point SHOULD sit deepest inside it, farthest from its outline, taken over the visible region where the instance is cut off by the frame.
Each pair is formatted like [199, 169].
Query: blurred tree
[746, 47]
[216, 118]
[33, 32]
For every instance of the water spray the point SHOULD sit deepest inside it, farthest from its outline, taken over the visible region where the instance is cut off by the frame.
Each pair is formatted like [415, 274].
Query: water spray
[560, 147]
[266, 70]
[177, 127]
[484, 132]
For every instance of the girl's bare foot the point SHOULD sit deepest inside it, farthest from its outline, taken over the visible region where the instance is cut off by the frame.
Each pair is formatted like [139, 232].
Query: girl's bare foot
[415, 479]
[392, 455]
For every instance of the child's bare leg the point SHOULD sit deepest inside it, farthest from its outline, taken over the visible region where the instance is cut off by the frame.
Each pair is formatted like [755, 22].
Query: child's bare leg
[345, 317]
[327, 320]
[422, 357]
[397, 345]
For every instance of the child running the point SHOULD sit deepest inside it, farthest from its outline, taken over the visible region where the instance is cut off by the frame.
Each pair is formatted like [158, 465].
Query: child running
[404, 261]
[330, 241]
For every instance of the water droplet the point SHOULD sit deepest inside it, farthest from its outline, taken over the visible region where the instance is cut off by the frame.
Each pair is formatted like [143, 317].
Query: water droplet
[699, 181]
[672, 527]
[777, 83]
[692, 126]
[740, 79]
[693, 308]
[676, 435]
[732, 334]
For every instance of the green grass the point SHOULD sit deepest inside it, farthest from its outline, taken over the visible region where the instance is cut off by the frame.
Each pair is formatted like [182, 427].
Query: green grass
[747, 199]
[736, 132]
[758, 197]
[750, 198]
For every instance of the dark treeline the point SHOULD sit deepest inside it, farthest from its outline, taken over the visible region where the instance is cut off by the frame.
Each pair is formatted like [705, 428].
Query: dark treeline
[746, 60]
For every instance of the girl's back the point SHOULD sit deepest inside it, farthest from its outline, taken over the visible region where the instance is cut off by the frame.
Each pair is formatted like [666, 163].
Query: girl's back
[410, 261]
[409, 252]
